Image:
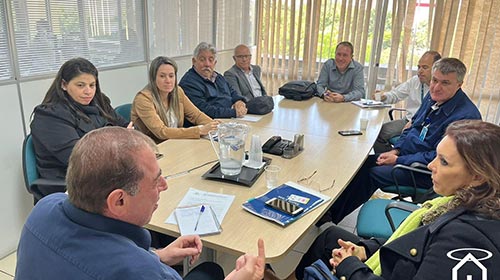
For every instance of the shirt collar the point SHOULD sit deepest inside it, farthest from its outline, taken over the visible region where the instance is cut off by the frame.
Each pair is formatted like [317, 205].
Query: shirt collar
[137, 234]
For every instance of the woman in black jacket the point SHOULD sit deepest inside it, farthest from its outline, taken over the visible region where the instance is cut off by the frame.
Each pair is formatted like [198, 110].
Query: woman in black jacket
[449, 238]
[73, 106]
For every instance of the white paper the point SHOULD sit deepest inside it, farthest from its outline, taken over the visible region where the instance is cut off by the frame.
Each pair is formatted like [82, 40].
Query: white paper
[220, 203]
[251, 118]
[192, 221]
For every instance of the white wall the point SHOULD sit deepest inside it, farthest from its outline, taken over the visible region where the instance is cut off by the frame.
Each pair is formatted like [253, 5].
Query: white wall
[14, 201]
[120, 85]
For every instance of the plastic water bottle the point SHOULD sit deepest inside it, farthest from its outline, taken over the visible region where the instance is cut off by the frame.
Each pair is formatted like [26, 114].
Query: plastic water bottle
[255, 156]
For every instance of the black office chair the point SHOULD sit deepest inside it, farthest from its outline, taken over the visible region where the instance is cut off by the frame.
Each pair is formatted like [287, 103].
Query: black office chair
[395, 139]
[31, 176]
[416, 193]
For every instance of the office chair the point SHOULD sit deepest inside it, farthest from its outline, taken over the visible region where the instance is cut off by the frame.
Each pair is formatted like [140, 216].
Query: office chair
[371, 220]
[381, 217]
[124, 111]
[414, 192]
[31, 176]
[394, 139]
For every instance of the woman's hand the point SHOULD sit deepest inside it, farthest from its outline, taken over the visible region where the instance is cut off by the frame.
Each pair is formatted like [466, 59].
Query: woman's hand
[204, 129]
[347, 249]
[130, 125]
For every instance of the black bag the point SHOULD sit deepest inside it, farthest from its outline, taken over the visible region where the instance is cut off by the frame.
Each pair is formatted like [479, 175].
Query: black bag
[318, 271]
[298, 90]
[260, 105]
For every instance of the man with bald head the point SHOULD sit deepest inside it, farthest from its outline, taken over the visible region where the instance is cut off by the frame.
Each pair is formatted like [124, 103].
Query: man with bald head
[243, 76]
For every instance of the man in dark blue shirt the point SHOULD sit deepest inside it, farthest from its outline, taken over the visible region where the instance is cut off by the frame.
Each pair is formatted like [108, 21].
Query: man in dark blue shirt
[209, 90]
[96, 230]
[445, 104]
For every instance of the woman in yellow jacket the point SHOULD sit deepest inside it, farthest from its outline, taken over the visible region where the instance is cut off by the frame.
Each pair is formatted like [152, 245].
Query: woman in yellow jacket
[160, 108]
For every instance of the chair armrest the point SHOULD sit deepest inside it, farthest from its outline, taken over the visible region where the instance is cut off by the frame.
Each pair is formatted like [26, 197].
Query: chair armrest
[414, 167]
[402, 205]
[391, 117]
[48, 182]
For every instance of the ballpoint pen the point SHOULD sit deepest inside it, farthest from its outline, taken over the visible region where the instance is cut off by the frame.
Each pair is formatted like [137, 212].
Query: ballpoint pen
[202, 209]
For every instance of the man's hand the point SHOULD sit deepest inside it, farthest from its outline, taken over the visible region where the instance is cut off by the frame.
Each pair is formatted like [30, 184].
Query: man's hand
[381, 93]
[388, 158]
[184, 246]
[250, 267]
[347, 249]
[241, 108]
[407, 125]
[335, 97]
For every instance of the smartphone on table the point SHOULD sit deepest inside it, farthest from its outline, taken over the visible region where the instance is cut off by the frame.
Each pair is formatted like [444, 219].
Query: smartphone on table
[284, 206]
[350, 132]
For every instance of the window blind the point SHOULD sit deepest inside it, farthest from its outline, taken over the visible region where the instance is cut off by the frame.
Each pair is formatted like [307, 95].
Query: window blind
[49, 32]
[5, 66]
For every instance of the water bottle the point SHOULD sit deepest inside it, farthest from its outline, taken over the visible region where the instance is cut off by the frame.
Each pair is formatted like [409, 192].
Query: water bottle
[255, 156]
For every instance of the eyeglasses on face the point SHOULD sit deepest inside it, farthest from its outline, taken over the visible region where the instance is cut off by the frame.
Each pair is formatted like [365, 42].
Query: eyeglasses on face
[243, 56]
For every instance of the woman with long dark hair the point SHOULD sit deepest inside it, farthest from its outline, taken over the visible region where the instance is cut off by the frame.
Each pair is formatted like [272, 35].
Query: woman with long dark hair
[73, 106]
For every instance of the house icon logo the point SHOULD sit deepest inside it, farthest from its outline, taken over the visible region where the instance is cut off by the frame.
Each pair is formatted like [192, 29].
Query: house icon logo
[472, 256]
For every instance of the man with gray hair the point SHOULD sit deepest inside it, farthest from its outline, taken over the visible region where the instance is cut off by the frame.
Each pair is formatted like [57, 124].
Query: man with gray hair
[209, 90]
[96, 230]
[445, 103]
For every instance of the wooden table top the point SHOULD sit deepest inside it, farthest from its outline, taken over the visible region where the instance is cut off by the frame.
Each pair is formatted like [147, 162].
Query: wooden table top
[334, 157]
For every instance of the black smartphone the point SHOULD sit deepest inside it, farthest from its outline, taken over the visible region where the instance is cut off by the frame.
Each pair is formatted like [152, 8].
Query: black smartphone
[284, 206]
[350, 132]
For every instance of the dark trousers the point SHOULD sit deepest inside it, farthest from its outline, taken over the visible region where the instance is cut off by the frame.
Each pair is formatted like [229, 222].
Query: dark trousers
[322, 248]
[206, 271]
[369, 178]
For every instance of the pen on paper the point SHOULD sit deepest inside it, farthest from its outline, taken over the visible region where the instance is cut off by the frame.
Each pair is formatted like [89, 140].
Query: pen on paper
[199, 216]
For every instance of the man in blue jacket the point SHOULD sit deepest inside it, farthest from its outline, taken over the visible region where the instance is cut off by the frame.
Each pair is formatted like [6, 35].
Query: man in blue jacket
[445, 104]
[209, 90]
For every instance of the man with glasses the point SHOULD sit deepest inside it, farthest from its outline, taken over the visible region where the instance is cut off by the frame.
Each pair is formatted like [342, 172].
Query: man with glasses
[413, 91]
[244, 77]
[209, 90]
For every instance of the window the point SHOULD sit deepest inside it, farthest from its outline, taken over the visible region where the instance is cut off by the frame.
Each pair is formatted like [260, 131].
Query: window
[5, 66]
[235, 23]
[49, 32]
[176, 27]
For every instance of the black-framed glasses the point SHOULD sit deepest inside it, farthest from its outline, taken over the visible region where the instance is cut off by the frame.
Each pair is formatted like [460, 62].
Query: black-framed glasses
[243, 56]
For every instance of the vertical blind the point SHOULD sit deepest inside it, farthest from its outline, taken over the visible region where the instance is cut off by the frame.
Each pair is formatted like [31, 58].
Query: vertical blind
[49, 32]
[296, 36]
[176, 27]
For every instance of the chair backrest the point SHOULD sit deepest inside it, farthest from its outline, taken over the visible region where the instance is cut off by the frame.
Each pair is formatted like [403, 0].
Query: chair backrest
[124, 111]
[29, 163]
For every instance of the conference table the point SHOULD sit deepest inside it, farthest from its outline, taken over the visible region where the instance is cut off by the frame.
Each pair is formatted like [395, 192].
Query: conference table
[333, 158]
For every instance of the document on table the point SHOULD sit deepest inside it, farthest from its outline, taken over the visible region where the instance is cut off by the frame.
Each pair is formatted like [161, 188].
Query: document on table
[219, 203]
[197, 219]
[251, 118]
